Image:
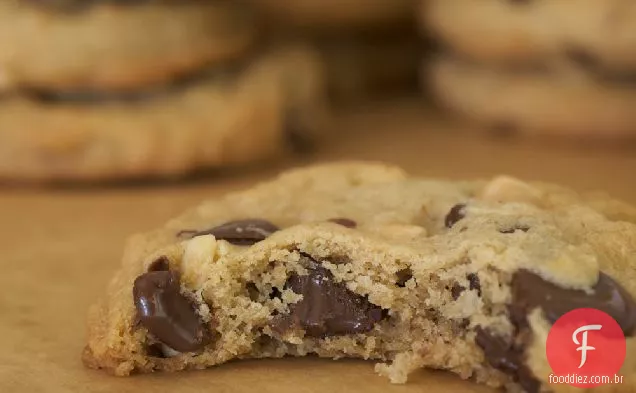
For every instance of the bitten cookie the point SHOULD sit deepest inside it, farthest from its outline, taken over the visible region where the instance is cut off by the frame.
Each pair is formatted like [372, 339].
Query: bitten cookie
[600, 31]
[115, 46]
[347, 14]
[361, 260]
[553, 100]
[219, 118]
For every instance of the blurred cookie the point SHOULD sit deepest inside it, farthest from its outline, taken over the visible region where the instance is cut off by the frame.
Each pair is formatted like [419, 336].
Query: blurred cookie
[551, 100]
[111, 45]
[322, 14]
[361, 69]
[225, 117]
[601, 32]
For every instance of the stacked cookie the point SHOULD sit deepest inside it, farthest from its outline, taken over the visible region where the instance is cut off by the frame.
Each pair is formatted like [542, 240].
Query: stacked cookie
[369, 47]
[97, 90]
[553, 66]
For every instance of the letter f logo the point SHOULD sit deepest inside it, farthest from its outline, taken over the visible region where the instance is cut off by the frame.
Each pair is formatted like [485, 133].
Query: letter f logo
[583, 344]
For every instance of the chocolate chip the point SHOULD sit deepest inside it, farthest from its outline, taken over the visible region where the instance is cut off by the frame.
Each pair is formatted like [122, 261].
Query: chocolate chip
[514, 229]
[166, 313]
[159, 265]
[155, 351]
[252, 291]
[345, 222]
[455, 214]
[240, 232]
[474, 283]
[327, 308]
[529, 291]
[456, 291]
[403, 276]
[507, 356]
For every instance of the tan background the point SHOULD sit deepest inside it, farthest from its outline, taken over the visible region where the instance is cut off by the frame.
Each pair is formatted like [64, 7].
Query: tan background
[59, 247]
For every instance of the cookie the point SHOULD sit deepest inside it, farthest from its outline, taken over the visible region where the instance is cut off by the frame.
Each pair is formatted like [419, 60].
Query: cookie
[223, 117]
[602, 32]
[561, 101]
[360, 69]
[116, 46]
[361, 260]
[326, 14]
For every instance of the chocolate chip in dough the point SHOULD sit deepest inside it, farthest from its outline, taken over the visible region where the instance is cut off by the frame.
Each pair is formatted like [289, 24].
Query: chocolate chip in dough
[456, 291]
[455, 214]
[160, 264]
[403, 276]
[474, 283]
[530, 290]
[507, 356]
[345, 222]
[166, 313]
[327, 308]
[240, 232]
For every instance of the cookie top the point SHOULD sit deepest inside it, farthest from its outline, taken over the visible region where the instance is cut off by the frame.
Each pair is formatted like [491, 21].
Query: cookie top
[115, 45]
[387, 202]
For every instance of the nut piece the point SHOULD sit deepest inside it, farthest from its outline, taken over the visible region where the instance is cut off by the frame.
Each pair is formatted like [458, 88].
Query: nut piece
[508, 189]
[199, 255]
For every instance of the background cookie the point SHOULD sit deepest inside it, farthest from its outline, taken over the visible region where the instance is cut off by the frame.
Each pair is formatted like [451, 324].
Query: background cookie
[345, 14]
[219, 120]
[537, 101]
[370, 68]
[116, 46]
[599, 31]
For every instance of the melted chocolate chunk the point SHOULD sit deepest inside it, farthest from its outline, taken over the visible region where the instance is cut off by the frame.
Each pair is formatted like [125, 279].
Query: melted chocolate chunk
[474, 283]
[239, 232]
[507, 357]
[529, 291]
[327, 308]
[166, 313]
[159, 265]
[345, 222]
[403, 276]
[455, 214]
